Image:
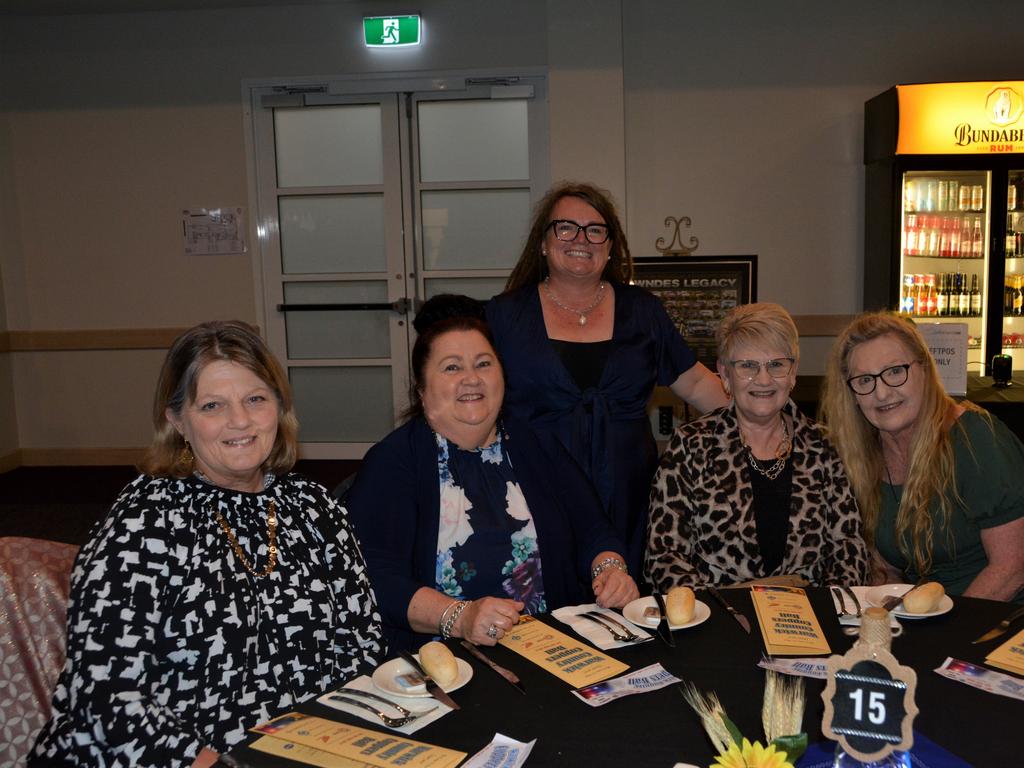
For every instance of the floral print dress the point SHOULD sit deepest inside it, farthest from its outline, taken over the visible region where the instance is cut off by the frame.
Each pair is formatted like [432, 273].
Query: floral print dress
[486, 543]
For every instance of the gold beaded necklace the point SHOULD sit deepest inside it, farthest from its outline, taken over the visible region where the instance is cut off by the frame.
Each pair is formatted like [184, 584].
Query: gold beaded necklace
[271, 545]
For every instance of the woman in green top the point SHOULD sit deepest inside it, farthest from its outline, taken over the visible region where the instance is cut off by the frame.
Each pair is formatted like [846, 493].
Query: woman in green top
[940, 484]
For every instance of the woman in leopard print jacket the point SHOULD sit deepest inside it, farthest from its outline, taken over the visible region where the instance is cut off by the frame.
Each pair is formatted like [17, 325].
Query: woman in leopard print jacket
[753, 489]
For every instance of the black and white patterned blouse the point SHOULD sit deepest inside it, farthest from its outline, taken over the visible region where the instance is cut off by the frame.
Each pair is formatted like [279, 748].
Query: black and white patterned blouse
[173, 645]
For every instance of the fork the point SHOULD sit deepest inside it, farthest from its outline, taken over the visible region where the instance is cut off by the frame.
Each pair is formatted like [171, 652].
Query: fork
[381, 700]
[390, 722]
[602, 621]
[838, 594]
[853, 596]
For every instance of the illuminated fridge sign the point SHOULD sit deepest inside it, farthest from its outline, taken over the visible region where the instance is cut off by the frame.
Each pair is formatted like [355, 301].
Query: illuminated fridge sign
[961, 118]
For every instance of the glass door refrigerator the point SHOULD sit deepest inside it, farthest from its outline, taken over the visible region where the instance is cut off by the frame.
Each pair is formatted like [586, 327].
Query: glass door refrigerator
[944, 212]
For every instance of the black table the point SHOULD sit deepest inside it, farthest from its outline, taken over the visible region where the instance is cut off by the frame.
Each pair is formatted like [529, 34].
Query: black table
[658, 728]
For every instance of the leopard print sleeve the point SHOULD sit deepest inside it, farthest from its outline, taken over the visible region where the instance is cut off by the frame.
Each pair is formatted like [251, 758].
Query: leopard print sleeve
[668, 560]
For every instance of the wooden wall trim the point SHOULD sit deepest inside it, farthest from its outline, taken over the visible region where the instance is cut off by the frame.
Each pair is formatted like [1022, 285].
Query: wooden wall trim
[10, 461]
[162, 338]
[79, 457]
[88, 340]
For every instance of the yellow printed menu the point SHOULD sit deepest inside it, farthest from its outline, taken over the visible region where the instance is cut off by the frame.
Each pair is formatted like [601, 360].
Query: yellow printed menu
[303, 754]
[1009, 655]
[563, 656]
[788, 624]
[358, 745]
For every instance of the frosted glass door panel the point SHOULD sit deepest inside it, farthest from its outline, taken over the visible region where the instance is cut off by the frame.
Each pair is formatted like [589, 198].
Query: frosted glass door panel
[473, 140]
[329, 146]
[474, 229]
[482, 288]
[343, 405]
[335, 333]
[332, 233]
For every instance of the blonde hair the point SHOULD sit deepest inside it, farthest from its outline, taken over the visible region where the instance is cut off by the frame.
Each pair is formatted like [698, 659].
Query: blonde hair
[232, 341]
[763, 323]
[930, 470]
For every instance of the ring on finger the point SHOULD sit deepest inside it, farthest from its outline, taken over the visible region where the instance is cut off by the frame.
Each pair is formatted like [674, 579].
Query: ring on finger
[492, 632]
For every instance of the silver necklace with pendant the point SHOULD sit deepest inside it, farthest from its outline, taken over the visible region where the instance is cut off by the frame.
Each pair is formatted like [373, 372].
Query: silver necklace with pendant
[581, 313]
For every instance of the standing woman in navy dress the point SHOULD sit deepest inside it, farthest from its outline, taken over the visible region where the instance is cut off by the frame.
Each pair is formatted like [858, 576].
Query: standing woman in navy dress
[584, 349]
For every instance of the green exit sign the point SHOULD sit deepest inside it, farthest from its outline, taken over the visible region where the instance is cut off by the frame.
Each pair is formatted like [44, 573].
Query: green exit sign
[391, 31]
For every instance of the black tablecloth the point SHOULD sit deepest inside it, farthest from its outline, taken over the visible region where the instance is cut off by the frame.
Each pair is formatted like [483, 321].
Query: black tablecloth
[658, 728]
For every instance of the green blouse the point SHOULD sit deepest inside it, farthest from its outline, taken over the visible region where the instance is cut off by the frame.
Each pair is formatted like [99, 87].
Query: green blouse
[989, 461]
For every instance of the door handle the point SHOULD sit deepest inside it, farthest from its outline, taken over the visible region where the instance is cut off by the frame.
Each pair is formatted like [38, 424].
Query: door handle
[401, 306]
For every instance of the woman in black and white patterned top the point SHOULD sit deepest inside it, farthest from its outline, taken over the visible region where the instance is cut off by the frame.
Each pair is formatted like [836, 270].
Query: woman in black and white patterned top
[220, 589]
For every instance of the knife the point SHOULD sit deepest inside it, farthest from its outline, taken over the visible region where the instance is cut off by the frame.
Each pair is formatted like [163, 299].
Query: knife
[433, 688]
[1001, 627]
[743, 622]
[892, 601]
[664, 630]
[508, 674]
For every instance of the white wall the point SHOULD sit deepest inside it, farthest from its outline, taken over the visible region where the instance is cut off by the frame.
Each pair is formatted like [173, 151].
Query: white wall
[114, 123]
[8, 241]
[745, 116]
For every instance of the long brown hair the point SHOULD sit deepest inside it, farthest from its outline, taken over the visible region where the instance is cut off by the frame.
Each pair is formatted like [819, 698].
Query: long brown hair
[532, 266]
[232, 341]
[930, 472]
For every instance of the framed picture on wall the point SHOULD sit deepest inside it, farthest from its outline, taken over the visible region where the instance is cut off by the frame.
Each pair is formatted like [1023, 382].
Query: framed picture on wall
[697, 292]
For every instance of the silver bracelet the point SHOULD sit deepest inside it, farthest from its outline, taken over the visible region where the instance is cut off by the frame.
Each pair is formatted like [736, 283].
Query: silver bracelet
[449, 624]
[444, 613]
[604, 565]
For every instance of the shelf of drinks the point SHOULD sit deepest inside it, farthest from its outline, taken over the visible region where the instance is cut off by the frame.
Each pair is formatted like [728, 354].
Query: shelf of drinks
[942, 317]
[948, 258]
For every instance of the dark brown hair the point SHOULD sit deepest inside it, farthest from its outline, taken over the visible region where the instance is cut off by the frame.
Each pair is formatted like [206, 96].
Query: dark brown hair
[232, 341]
[438, 316]
[532, 266]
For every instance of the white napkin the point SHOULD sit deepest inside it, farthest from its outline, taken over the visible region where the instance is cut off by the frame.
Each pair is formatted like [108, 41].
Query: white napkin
[364, 683]
[593, 631]
[862, 595]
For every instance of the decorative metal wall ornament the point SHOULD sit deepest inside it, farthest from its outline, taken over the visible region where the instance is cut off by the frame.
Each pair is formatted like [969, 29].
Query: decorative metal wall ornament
[680, 249]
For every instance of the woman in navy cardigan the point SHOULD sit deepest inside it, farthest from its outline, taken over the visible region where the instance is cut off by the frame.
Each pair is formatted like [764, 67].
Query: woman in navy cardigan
[467, 519]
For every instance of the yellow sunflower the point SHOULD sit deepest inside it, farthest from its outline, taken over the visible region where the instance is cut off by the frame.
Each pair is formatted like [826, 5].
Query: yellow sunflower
[751, 756]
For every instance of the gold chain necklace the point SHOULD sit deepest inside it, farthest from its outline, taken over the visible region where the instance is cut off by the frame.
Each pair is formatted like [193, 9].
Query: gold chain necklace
[582, 313]
[782, 452]
[271, 546]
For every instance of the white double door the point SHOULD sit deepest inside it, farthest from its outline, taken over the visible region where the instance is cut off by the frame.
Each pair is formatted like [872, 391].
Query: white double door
[368, 203]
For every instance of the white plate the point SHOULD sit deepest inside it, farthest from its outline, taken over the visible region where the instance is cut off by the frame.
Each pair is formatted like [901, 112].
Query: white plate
[634, 612]
[385, 678]
[876, 596]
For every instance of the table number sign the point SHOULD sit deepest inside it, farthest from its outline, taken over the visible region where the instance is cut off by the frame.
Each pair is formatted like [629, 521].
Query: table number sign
[869, 703]
[568, 659]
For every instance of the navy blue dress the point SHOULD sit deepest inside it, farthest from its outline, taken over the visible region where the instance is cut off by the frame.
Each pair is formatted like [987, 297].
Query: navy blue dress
[605, 428]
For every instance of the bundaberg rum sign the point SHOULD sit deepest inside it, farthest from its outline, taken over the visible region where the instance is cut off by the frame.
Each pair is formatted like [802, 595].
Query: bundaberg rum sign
[978, 118]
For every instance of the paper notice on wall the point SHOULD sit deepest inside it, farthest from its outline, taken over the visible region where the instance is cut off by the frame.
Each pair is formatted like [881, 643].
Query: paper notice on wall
[213, 231]
[948, 345]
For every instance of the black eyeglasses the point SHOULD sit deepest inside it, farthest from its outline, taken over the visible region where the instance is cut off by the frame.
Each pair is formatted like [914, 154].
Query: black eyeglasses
[893, 376]
[567, 230]
[778, 368]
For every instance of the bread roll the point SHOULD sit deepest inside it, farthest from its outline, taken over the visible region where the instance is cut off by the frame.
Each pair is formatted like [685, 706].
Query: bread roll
[679, 603]
[924, 599]
[439, 663]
